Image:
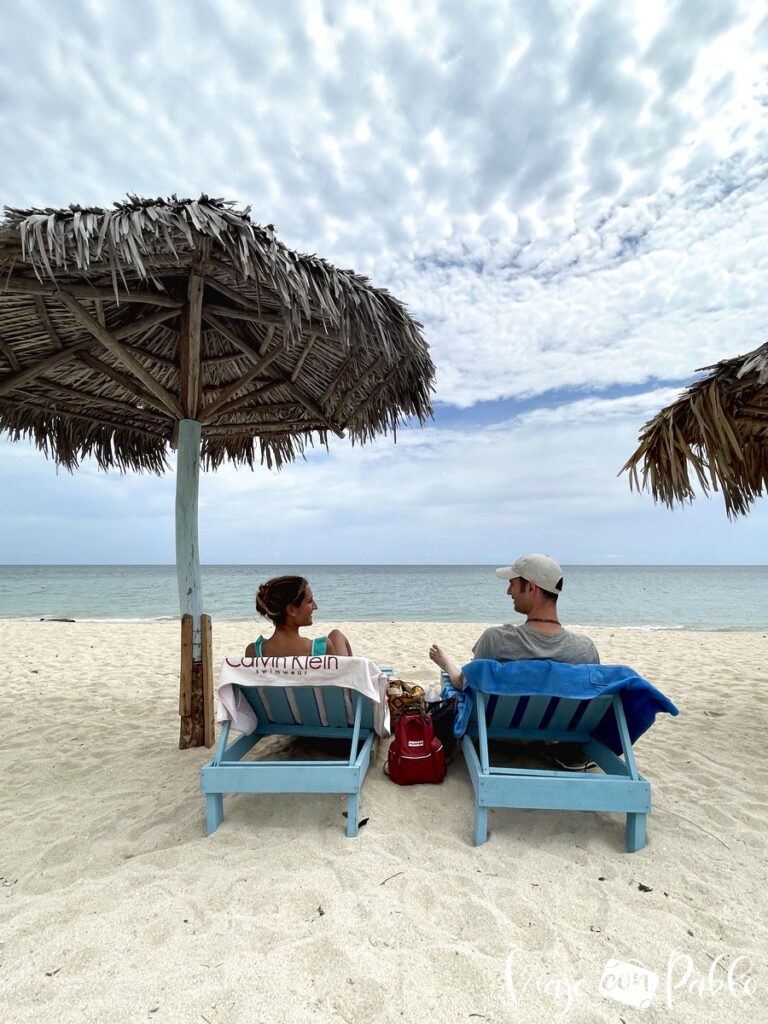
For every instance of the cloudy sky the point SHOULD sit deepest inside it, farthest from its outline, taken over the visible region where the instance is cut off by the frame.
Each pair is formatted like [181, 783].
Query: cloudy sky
[572, 198]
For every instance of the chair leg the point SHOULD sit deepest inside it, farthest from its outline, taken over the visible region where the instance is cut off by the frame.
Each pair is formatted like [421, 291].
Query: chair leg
[353, 807]
[214, 812]
[481, 826]
[635, 832]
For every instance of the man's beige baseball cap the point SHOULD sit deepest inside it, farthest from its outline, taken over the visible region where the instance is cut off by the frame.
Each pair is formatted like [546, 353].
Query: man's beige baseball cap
[539, 569]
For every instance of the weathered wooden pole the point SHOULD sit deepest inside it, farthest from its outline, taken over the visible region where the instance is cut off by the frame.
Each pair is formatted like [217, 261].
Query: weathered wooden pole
[195, 677]
[187, 546]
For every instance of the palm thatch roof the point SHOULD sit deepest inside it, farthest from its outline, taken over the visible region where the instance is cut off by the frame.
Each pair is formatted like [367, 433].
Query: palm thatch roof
[116, 324]
[718, 428]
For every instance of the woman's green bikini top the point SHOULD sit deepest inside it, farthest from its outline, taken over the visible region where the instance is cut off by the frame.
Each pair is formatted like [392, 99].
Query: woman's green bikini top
[319, 646]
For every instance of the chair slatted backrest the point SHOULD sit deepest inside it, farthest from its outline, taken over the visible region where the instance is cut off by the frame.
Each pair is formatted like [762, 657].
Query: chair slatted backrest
[312, 706]
[534, 714]
[259, 702]
[337, 708]
[501, 713]
[564, 713]
[306, 705]
[516, 711]
[593, 713]
[541, 711]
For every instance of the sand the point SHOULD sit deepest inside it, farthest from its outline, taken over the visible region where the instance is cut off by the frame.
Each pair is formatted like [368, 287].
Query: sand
[115, 907]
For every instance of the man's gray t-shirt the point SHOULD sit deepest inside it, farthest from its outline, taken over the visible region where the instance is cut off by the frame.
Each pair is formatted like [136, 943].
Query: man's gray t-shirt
[523, 642]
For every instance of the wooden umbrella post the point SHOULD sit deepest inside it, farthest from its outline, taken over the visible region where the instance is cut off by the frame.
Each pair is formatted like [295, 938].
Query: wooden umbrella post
[195, 682]
[195, 678]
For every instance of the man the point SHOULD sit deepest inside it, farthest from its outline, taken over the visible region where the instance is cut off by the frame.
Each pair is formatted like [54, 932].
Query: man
[535, 582]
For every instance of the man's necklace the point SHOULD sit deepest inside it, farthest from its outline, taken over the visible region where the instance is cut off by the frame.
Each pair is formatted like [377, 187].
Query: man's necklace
[553, 621]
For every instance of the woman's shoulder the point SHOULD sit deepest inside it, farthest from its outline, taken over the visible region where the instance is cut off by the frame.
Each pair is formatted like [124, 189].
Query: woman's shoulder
[254, 650]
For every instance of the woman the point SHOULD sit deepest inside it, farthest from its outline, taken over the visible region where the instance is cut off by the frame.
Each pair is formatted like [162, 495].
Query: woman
[288, 603]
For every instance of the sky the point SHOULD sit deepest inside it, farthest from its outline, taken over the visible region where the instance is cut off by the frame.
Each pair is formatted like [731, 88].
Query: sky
[571, 197]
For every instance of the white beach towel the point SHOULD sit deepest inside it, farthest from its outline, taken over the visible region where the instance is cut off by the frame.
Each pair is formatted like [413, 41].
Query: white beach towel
[359, 674]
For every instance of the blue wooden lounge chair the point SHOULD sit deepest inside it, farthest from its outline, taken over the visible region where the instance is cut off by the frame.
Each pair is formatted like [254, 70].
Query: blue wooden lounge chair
[326, 711]
[599, 725]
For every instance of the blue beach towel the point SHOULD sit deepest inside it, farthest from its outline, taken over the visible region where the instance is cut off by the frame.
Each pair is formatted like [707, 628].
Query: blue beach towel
[641, 701]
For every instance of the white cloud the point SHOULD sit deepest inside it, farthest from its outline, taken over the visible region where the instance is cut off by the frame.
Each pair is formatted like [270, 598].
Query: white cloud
[570, 196]
[657, 290]
[543, 480]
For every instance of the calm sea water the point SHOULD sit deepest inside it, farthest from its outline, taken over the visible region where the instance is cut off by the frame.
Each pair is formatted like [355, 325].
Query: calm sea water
[690, 597]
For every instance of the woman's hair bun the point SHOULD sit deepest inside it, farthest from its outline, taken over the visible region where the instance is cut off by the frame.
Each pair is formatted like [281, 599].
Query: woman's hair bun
[274, 596]
[261, 600]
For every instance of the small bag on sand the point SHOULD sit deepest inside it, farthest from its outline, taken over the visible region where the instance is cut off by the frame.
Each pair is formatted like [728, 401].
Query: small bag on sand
[415, 754]
[443, 713]
[403, 698]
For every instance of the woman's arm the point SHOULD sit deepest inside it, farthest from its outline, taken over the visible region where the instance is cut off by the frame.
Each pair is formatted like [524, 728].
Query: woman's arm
[337, 643]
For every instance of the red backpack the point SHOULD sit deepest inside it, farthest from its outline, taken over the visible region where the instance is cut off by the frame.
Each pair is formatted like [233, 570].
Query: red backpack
[415, 754]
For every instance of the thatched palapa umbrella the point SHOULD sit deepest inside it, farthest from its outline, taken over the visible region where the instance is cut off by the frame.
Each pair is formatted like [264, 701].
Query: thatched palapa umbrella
[181, 323]
[718, 427]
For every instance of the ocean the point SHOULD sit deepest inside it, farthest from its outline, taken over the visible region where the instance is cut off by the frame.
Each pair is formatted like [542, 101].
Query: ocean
[648, 596]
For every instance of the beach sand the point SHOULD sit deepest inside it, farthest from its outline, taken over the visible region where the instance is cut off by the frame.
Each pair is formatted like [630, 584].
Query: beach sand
[115, 907]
